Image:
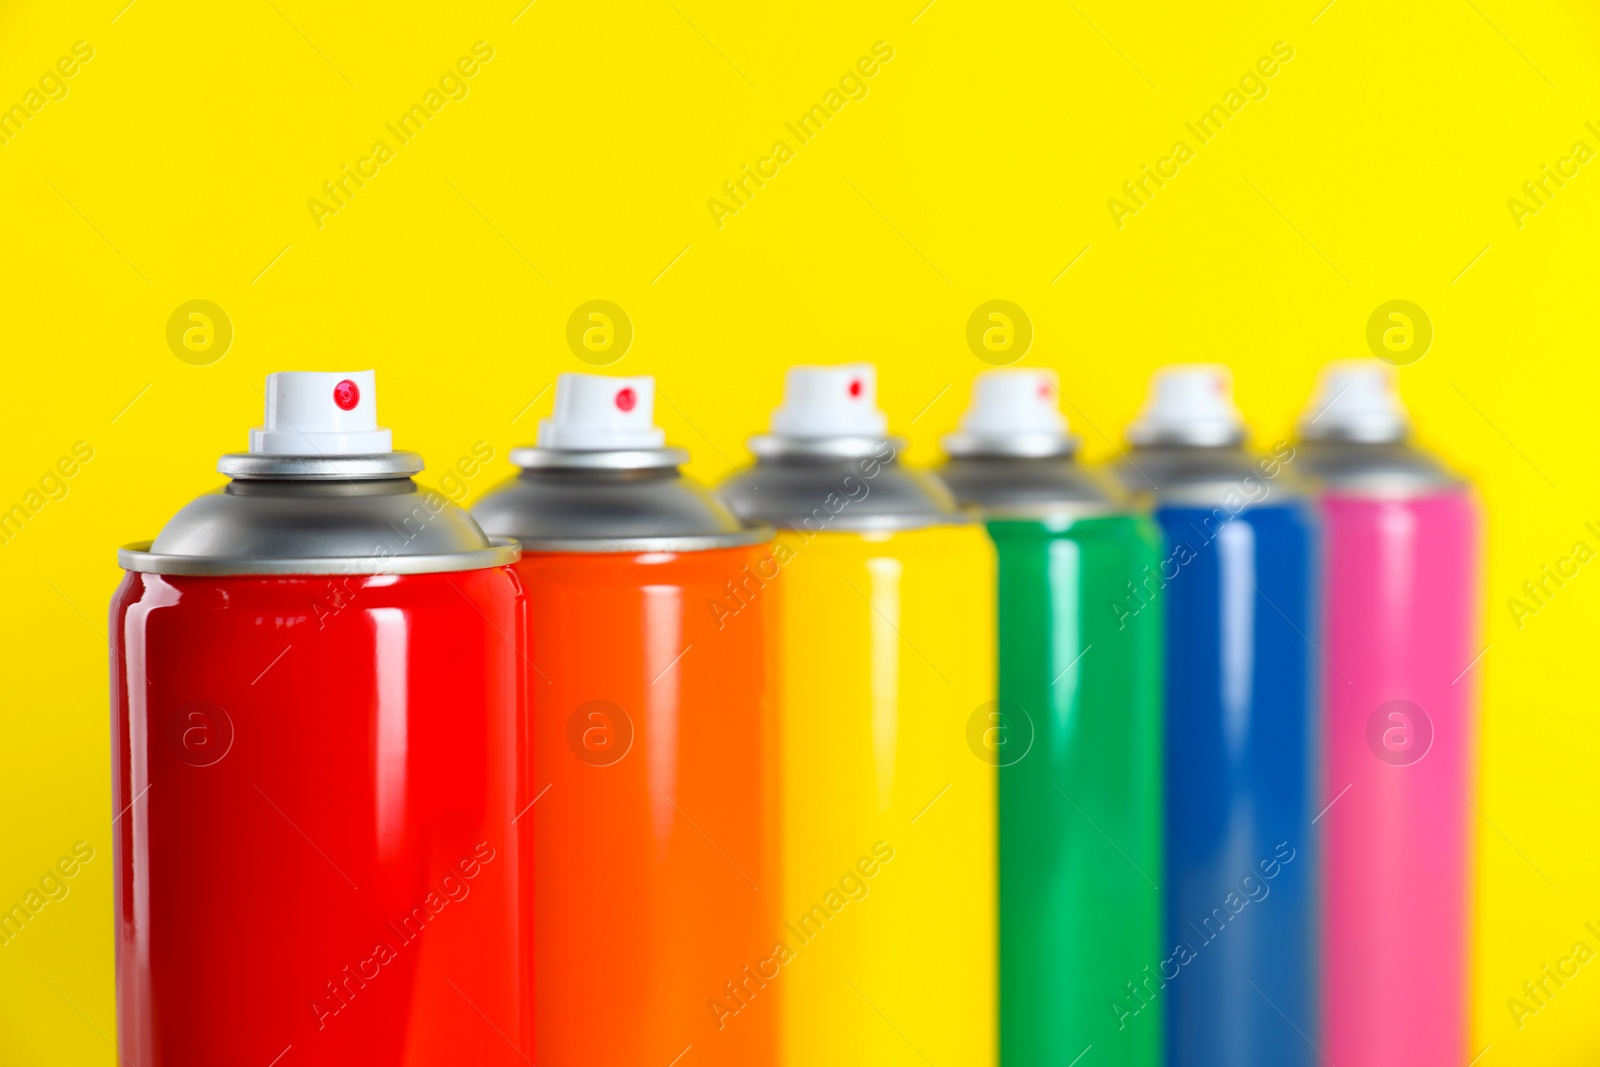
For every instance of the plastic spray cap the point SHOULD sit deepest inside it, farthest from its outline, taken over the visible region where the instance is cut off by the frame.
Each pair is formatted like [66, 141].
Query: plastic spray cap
[595, 412]
[837, 401]
[1189, 404]
[321, 413]
[1012, 412]
[1355, 400]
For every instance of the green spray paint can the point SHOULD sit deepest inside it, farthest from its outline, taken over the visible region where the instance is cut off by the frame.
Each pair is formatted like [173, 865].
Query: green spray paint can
[1075, 732]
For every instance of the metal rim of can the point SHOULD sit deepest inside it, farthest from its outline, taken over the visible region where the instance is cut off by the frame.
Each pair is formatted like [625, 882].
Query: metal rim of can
[880, 522]
[1392, 486]
[614, 459]
[1374, 432]
[1020, 446]
[781, 446]
[1064, 511]
[259, 466]
[1194, 436]
[1209, 493]
[749, 535]
[891, 523]
[138, 557]
[777, 446]
[1406, 473]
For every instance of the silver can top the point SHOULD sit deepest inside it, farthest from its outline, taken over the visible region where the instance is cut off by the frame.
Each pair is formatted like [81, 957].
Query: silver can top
[794, 485]
[319, 492]
[1355, 435]
[1384, 468]
[1208, 475]
[1013, 457]
[827, 465]
[600, 481]
[1189, 446]
[1030, 487]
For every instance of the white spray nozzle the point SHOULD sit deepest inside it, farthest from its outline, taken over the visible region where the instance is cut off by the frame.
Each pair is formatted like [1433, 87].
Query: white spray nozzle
[837, 401]
[594, 412]
[1355, 400]
[1189, 404]
[1014, 403]
[321, 413]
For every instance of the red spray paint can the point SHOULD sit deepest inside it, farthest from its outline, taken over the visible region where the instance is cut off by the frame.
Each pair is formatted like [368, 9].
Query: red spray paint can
[315, 681]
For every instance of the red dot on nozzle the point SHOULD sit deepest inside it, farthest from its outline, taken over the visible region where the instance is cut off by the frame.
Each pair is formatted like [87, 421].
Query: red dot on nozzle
[855, 387]
[346, 394]
[1044, 390]
[626, 399]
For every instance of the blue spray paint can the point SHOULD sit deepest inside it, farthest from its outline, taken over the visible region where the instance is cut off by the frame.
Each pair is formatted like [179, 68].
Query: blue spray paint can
[1237, 584]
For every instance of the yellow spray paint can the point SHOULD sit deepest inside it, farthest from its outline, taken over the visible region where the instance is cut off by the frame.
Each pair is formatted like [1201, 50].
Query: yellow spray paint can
[887, 951]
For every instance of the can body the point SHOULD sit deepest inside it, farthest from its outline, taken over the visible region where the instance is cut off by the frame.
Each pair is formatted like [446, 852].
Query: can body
[888, 940]
[314, 781]
[651, 708]
[1240, 683]
[1400, 736]
[1080, 809]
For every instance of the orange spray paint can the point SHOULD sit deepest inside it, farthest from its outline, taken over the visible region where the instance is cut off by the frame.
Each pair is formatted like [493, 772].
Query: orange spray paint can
[651, 811]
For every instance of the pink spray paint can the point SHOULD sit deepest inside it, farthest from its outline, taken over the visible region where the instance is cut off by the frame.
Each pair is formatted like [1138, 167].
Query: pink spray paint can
[1401, 589]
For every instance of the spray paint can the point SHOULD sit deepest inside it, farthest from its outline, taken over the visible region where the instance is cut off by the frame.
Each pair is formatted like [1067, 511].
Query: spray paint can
[1237, 584]
[1078, 726]
[314, 698]
[1401, 588]
[887, 616]
[650, 830]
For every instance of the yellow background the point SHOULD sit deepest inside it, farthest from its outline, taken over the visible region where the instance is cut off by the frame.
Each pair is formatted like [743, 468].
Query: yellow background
[179, 164]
